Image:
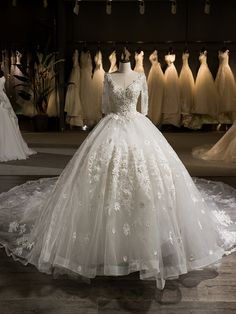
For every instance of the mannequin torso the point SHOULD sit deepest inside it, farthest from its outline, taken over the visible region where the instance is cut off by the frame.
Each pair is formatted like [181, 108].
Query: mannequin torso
[125, 75]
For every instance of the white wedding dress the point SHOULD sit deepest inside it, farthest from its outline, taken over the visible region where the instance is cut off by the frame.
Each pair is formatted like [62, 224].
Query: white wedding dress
[171, 97]
[186, 82]
[156, 83]
[124, 203]
[205, 93]
[12, 145]
[139, 62]
[225, 84]
[86, 86]
[97, 83]
[73, 108]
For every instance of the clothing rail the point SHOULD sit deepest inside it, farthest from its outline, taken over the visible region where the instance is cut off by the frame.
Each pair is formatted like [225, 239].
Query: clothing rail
[140, 42]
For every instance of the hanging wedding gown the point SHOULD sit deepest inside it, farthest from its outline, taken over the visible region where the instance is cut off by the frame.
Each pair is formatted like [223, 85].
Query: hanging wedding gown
[73, 106]
[205, 93]
[186, 82]
[53, 101]
[171, 97]
[112, 59]
[125, 56]
[224, 149]
[27, 107]
[155, 89]
[6, 69]
[12, 145]
[86, 86]
[139, 62]
[97, 87]
[124, 203]
[12, 80]
[225, 84]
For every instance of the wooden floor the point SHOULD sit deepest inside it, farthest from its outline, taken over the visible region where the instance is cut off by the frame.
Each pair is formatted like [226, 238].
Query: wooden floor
[24, 290]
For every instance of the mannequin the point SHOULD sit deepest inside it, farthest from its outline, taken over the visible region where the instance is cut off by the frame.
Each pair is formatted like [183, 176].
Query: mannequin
[125, 75]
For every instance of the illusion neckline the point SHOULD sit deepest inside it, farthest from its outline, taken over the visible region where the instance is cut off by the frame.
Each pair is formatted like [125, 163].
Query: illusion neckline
[120, 87]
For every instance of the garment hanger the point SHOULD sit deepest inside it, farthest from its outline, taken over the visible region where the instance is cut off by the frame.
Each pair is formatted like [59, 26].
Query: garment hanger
[223, 49]
[139, 50]
[203, 50]
[170, 51]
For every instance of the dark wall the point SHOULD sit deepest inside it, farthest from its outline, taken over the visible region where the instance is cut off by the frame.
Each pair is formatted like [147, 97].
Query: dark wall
[157, 29]
[29, 25]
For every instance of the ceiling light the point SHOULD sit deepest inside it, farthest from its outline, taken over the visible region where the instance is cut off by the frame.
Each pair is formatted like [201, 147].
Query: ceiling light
[14, 3]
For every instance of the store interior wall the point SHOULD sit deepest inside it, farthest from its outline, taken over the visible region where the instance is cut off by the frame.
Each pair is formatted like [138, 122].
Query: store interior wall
[30, 26]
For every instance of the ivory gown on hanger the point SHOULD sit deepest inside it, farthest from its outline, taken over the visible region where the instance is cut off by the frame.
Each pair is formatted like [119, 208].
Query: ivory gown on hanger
[12, 80]
[205, 93]
[73, 106]
[186, 82]
[156, 83]
[53, 107]
[112, 59]
[124, 203]
[27, 107]
[86, 85]
[12, 145]
[98, 78]
[225, 84]
[171, 98]
[139, 62]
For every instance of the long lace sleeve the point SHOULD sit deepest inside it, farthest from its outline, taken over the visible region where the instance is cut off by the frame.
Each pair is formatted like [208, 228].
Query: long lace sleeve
[144, 96]
[105, 97]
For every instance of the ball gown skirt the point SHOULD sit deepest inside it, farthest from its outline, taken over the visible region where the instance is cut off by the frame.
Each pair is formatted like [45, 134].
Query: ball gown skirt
[124, 203]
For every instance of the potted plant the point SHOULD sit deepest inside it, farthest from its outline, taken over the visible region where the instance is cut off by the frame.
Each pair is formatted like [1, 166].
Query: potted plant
[38, 86]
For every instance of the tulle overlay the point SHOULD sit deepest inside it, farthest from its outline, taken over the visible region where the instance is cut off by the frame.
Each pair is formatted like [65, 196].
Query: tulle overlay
[119, 206]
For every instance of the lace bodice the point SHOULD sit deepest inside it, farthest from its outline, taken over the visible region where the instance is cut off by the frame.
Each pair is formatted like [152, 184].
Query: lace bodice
[123, 101]
[98, 60]
[185, 57]
[112, 59]
[153, 58]
[170, 59]
[203, 58]
[223, 57]
[139, 62]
